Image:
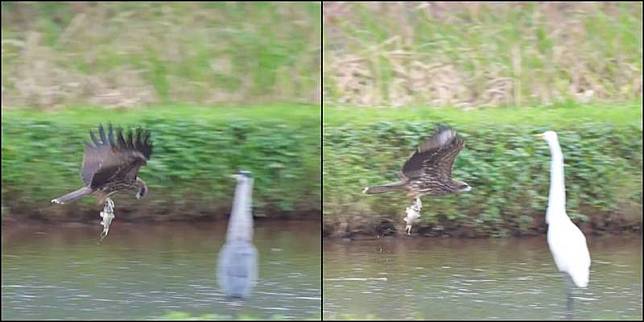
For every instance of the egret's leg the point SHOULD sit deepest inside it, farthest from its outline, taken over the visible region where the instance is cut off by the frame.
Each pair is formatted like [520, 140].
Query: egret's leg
[107, 214]
[569, 294]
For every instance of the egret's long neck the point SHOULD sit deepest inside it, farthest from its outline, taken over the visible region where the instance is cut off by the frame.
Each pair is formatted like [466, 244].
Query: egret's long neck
[240, 225]
[557, 197]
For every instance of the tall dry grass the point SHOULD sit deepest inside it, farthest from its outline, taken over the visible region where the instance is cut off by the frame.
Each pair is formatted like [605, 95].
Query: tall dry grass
[481, 54]
[131, 54]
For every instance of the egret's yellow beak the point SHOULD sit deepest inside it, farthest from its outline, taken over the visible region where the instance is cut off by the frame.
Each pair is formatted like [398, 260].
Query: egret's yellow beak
[540, 135]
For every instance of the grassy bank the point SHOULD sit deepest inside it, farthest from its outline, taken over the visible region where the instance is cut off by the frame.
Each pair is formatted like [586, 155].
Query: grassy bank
[195, 151]
[481, 54]
[506, 166]
[558, 115]
[133, 54]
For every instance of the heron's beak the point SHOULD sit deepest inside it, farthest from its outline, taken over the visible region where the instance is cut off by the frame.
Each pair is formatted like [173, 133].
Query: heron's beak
[540, 135]
[234, 176]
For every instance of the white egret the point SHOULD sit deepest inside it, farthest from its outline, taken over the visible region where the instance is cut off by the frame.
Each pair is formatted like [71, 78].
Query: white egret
[237, 264]
[566, 241]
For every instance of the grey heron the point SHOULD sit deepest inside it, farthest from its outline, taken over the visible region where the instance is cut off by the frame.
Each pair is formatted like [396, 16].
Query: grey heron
[237, 263]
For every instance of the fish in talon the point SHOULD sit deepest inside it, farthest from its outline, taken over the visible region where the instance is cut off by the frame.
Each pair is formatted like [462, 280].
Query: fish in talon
[413, 213]
[108, 215]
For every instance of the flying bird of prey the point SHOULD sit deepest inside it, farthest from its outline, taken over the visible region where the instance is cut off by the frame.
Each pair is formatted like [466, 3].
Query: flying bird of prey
[428, 171]
[111, 164]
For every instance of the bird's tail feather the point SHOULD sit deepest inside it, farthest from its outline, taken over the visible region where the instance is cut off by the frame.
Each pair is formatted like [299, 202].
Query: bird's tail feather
[73, 195]
[384, 188]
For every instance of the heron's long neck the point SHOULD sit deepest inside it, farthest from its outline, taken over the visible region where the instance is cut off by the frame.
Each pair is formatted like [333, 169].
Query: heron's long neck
[557, 197]
[240, 225]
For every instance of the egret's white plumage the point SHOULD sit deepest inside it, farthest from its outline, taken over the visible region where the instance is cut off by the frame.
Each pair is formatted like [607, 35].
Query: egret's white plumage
[567, 243]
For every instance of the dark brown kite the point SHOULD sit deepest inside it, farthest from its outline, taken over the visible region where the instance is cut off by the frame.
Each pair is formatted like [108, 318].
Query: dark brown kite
[111, 164]
[428, 171]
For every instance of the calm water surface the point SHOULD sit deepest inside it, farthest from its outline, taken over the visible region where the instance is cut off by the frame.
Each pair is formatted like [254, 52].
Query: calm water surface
[427, 278]
[150, 270]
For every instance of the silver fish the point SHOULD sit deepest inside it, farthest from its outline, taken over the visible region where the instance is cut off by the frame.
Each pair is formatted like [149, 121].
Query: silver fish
[107, 214]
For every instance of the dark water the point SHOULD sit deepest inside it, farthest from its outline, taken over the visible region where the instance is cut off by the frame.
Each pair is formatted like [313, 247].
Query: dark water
[426, 278]
[144, 271]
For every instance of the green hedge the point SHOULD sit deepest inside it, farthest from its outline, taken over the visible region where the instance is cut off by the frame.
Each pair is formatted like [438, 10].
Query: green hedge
[507, 167]
[189, 171]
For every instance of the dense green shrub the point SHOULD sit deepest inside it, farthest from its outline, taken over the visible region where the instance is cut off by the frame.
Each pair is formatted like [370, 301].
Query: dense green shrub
[507, 167]
[189, 171]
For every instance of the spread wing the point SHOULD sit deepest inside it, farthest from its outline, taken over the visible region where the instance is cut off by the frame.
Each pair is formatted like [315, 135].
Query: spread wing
[435, 157]
[113, 157]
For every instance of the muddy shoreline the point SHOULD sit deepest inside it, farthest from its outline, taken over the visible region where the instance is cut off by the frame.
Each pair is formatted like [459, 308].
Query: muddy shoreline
[12, 222]
[91, 217]
[357, 227]
[153, 209]
[365, 227]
